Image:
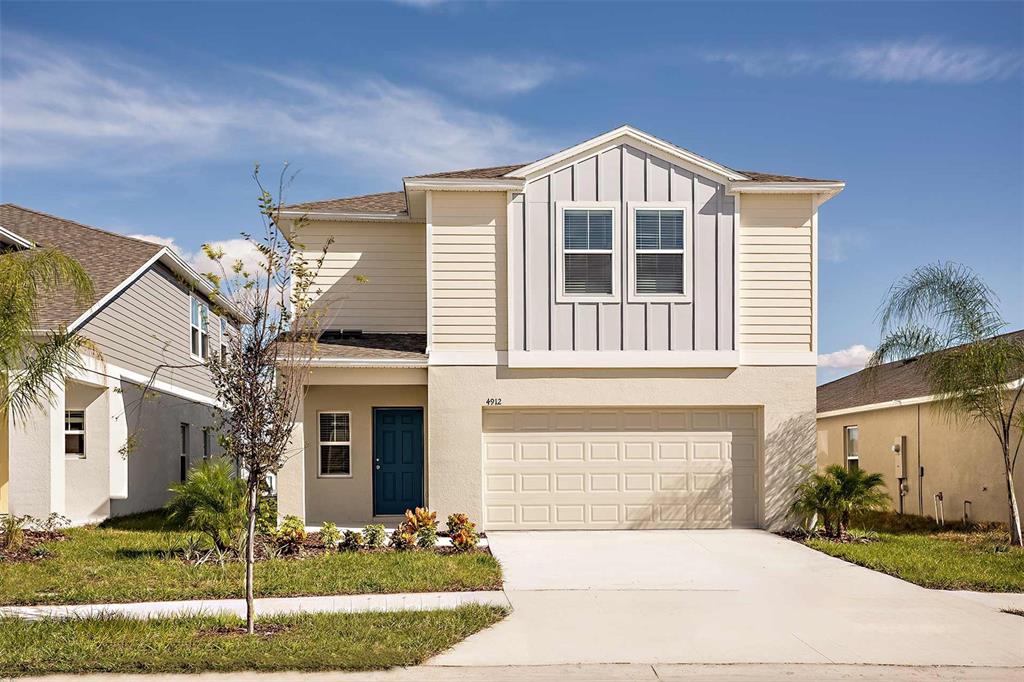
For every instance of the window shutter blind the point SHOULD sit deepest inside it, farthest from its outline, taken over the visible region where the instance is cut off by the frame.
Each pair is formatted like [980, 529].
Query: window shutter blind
[335, 459]
[659, 273]
[333, 427]
[591, 231]
[658, 232]
[588, 273]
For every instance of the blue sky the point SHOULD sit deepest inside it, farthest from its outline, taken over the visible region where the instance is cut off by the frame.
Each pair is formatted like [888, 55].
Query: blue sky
[146, 118]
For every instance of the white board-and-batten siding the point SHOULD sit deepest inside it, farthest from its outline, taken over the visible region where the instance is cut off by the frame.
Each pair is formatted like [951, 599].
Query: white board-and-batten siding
[623, 174]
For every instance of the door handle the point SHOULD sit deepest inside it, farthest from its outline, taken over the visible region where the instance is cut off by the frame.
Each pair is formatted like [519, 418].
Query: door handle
[378, 467]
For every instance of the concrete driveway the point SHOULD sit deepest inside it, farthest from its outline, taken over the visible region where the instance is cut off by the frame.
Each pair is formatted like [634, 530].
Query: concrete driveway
[738, 596]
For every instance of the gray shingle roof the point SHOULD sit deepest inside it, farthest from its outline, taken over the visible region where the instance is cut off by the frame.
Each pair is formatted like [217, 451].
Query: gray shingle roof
[107, 257]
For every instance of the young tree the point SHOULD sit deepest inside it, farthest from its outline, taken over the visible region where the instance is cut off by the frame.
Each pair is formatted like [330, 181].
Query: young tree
[947, 316]
[29, 365]
[261, 383]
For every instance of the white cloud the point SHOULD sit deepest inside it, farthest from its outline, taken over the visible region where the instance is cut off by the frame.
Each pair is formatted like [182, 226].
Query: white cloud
[488, 76]
[854, 357]
[65, 106]
[900, 61]
[234, 250]
[836, 245]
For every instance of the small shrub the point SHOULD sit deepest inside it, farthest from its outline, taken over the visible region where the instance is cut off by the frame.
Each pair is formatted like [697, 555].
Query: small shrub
[402, 538]
[211, 500]
[12, 531]
[834, 495]
[290, 536]
[421, 517]
[51, 524]
[462, 532]
[374, 535]
[266, 516]
[352, 541]
[426, 537]
[330, 535]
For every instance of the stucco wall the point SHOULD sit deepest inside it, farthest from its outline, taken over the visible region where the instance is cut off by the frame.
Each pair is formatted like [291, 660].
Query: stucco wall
[960, 460]
[87, 492]
[345, 501]
[458, 395]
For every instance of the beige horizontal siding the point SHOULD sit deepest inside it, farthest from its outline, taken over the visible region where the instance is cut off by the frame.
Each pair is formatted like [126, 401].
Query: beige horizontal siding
[467, 260]
[148, 326]
[774, 247]
[391, 258]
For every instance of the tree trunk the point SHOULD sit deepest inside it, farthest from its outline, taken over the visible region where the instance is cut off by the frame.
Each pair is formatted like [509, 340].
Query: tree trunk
[1015, 530]
[250, 558]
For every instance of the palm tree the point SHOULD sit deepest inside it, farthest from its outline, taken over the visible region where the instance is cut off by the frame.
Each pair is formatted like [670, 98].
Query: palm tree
[31, 361]
[856, 491]
[211, 500]
[948, 317]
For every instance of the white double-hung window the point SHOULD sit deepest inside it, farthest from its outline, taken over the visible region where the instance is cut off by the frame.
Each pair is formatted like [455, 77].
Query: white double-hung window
[586, 238]
[659, 238]
[335, 444]
[200, 329]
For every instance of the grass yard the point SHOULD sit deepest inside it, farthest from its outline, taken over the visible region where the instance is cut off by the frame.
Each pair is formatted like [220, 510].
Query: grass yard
[307, 642]
[123, 561]
[919, 551]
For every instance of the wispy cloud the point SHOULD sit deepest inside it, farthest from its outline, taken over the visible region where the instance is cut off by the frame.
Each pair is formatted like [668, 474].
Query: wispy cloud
[836, 245]
[64, 106]
[928, 60]
[489, 76]
[853, 357]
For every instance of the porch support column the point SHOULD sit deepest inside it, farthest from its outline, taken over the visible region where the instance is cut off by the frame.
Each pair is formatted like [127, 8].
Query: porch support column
[37, 458]
[291, 479]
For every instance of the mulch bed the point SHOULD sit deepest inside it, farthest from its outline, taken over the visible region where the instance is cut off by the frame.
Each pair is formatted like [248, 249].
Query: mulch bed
[31, 549]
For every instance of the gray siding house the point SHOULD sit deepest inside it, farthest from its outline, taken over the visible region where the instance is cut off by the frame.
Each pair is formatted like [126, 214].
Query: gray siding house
[107, 446]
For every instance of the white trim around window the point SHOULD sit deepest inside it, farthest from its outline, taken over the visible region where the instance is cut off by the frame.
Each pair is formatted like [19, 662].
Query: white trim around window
[685, 254]
[199, 328]
[74, 434]
[851, 446]
[334, 441]
[560, 251]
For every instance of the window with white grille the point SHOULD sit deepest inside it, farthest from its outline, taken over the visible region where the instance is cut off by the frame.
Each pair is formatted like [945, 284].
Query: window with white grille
[587, 236]
[335, 444]
[658, 241]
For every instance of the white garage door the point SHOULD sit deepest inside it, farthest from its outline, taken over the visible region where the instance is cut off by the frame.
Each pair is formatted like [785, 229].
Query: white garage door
[620, 468]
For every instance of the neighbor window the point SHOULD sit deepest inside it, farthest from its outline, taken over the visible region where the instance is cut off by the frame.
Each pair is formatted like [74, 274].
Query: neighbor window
[200, 339]
[224, 331]
[183, 459]
[207, 442]
[658, 242]
[588, 237]
[335, 444]
[852, 447]
[74, 433]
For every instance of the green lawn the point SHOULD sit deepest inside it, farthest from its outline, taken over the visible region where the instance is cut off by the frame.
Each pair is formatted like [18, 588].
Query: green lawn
[122, 562]
[918, 551]
[360, 641]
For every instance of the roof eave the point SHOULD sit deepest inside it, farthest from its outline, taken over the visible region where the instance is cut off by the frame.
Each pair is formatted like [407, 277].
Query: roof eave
[826, 189]
[354, 216]
[464, 184]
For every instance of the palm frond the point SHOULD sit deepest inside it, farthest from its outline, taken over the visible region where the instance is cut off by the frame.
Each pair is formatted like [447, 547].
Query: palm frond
[43, 366]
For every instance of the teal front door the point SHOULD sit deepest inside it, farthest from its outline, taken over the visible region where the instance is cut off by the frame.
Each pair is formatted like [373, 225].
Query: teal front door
[397, 459]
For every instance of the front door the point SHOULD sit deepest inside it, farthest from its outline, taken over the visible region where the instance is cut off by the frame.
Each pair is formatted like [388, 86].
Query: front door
[397, 459]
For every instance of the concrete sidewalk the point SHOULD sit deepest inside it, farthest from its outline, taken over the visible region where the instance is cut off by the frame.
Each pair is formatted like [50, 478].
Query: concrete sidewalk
[594, 673]
[357, 603]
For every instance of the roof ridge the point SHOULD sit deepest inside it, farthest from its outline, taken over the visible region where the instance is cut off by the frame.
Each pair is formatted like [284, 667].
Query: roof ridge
[82, 225]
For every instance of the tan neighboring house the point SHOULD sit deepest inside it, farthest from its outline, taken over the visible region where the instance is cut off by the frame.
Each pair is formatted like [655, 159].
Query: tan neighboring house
[619, 335]
[891, 424]
[150, 310]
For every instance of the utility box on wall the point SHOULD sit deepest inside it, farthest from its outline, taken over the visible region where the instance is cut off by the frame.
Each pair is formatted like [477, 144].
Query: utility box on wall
[899, 449]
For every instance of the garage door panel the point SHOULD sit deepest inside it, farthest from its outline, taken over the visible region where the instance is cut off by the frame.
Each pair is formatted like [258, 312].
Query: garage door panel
[541, 475]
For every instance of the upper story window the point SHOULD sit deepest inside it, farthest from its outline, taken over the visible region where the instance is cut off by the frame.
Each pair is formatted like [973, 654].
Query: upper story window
[200, 329]
[851, 437]
[225, 330]
[658, 237]
[586, 240]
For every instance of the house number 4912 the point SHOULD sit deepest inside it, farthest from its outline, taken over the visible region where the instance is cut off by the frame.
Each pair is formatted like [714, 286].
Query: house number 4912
[494, 401]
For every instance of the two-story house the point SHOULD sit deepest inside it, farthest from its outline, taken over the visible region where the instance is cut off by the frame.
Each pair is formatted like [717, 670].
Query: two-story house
[105, 445]
[619, 335]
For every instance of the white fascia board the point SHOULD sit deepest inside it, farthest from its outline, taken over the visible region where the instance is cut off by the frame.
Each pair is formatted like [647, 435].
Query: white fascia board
[16, 238]
[463, 184]
[918, 400]
[722, 359]
[778, 358]
[826, 190]
[365, 362]
[666, 148]
[349, 216]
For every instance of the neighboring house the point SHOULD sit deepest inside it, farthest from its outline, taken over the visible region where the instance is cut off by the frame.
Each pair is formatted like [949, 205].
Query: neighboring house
[861, 418]
[152, 315]
[619, 335]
